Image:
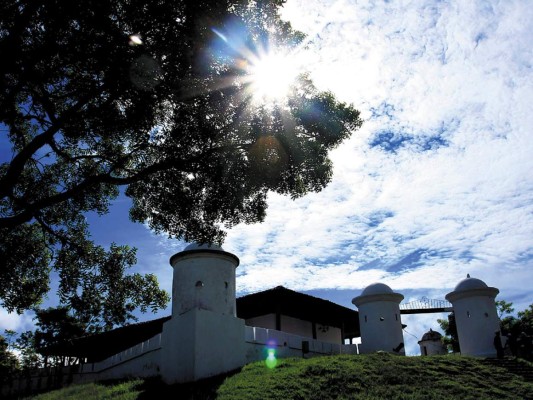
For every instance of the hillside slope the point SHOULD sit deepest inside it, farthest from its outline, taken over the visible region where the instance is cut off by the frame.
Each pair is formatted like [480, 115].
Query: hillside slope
[377, 376]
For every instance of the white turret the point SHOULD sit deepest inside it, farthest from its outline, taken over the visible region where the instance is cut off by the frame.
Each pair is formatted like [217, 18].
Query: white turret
[203, 338]
[379, 319]
[431, 344]
[204, 278]
[476, 316]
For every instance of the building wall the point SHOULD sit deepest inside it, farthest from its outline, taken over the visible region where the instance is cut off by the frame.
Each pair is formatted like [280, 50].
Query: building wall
[139, 361]
[259, 340]
[297, 326]
[267, 321]
[381, 326]
[331, 334]
[432, 347]
[477, 320]
[199, 344]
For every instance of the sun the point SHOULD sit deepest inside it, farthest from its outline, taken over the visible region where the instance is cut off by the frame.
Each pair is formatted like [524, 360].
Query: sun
[267, 72]
[271, 75]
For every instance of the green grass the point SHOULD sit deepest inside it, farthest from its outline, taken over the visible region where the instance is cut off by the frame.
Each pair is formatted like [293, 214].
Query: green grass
[376, 376]
[128, 390]
[139, 389]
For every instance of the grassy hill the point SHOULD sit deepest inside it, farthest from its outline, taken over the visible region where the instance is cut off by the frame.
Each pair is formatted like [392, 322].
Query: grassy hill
[376, 376]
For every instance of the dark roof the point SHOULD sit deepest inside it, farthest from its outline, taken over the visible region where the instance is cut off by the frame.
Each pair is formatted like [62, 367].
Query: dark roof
[100, 346]
[431, 335]
[279, 299]
[299, 305]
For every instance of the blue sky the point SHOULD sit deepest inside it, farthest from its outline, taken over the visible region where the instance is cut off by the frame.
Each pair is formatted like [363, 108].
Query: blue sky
[438, 182]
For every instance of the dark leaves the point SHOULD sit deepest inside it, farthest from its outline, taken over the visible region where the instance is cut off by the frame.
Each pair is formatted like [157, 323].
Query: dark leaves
[170, 118]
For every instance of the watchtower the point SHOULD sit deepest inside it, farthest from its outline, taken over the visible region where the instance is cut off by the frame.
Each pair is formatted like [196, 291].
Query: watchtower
[476, 316]
[204, 337]
[379, 319]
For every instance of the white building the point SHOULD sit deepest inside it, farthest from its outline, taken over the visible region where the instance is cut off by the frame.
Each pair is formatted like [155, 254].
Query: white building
[379, 319]
[431, 344]
[204, 337]
[476, 316]
[211, 332]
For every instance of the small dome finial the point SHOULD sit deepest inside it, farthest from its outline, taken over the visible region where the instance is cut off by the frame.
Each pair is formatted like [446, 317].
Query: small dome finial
[468, 275]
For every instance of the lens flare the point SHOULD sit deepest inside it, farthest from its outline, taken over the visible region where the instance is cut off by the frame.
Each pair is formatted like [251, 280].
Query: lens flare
[135, 40]
[267, 70]
[271, 360]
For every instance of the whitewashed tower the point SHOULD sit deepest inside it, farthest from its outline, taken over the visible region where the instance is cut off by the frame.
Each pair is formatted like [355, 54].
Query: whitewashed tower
[379, 319]
[204, 337]
[431, 344]
[476, 316]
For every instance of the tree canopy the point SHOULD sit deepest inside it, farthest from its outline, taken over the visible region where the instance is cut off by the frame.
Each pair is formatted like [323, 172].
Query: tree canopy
[450, 338]
[151, 96]
[9, 363]
[521, 324]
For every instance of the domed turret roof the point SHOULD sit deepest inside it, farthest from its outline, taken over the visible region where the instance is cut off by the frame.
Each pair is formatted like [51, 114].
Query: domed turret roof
[203, 246]
[431, 335]
[469, 284]
[377, 292]
[376, 288]
[471, 287]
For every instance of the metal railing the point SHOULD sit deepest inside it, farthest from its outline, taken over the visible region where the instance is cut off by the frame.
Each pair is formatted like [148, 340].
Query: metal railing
[425, 305]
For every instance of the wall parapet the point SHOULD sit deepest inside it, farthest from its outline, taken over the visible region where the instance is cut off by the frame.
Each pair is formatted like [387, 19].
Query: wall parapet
[144, 360]
[287, 345]
[149, 345]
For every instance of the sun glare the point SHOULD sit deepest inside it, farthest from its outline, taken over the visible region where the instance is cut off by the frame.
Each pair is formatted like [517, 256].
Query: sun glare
[271, 76]
[267, 73]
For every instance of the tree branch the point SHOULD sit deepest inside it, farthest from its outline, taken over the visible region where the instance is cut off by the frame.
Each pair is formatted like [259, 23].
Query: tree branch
[32, 209]
[16, 167]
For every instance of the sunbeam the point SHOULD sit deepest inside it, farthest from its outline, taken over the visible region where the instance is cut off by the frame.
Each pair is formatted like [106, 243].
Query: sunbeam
[265, 73]
[271, 75]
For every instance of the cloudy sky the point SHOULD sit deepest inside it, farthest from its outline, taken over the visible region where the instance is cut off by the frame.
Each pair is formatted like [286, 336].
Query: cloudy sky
[437, 184]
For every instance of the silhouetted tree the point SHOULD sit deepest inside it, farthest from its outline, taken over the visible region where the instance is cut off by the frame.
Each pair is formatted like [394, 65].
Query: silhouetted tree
[450, 338]
[87, 107]
[504, 308]
[27, 350]
[9, 363]
[519, 330]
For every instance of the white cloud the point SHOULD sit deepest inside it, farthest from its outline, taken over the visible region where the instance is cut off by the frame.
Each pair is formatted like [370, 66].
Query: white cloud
[445, 89]
[451, 84]
[16, 322]
[435, 185]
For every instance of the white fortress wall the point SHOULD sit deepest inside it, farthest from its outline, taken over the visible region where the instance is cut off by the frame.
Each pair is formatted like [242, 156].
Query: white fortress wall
[258, 340]
[141, 360]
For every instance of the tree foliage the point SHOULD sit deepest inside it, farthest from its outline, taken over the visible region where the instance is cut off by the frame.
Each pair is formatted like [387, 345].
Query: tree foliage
[526, 320]
[85, 110]
[53, 325]
[503, 308]
[450, 338]
[521, 324]
[9, 363]
[519, 327]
